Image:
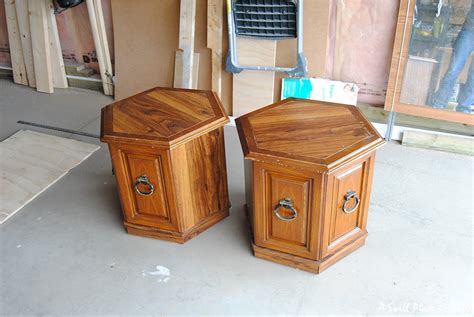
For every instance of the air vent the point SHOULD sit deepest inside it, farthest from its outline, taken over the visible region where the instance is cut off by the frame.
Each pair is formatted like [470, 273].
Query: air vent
[270, 19]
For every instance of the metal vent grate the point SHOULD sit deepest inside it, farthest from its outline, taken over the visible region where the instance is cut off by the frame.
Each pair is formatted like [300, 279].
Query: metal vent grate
[271, 19]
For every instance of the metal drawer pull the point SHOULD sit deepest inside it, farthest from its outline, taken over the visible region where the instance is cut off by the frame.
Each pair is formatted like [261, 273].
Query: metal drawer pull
[143, 179]
[347, 197]
[288, 204]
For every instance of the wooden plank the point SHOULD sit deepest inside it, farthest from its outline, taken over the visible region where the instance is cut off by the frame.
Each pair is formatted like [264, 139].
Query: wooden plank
[57, 62]
[99, 47]
[16, 51]
[187, 19]
[40, 45]
[178, 70]
[215, 16]
[379, 115]
[253, 89]
[437, 141]
[23, 17]
[105, 44]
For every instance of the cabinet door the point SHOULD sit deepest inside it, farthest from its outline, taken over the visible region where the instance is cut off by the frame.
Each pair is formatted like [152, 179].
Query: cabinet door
[142, 177]
[286, 210]
[348, 193]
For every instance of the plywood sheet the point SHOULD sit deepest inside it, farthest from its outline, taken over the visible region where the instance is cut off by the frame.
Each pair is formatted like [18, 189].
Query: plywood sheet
[146, 37]
[31, 162]
[253, 89]
[365, 31]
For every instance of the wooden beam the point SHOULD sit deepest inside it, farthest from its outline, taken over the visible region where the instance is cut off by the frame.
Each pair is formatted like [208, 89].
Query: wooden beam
[40, 45]
[379, 115]
[16, 51]
[23, 15]
[94, 8]
[215, 18]
[438, 141]
[187, 22]
[105, 44]
[57, 62]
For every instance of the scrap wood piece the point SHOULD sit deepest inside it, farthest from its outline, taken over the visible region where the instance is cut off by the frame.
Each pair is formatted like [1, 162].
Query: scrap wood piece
[439, 141]
[57, 62]
[22, 13]
[178, 70]
[40, 45]
[253, 89]
[16, 51]
[187, 19]
[215, 18]
[96, 18]
[105, 44]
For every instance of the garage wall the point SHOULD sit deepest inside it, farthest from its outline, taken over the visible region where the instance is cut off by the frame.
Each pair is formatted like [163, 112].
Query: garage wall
[349, 40]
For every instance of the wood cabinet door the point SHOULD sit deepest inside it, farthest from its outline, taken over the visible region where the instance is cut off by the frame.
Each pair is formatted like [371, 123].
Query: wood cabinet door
[347, 203]
[287, 225]
[145, 186]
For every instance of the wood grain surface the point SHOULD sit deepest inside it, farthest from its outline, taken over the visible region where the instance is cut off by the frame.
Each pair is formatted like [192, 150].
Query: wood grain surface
[162, 116]
[200, 177]
[14, 38]
[279, 141]
[189, 177]
[40, 45]
[306, 130]
[23, 17]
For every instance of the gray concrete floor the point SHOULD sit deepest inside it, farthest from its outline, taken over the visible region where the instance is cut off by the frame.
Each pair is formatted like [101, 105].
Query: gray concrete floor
[67, 253]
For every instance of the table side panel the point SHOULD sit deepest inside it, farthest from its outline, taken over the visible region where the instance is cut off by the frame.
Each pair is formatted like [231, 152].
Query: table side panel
[129, 163]
[200, 177]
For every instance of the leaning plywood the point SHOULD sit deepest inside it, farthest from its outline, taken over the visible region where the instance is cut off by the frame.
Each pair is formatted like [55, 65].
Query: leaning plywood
[145, 41]
[187, 21]
[23, 16]
[18, 64]
[253, 89]
[40, 45]
[57, 62]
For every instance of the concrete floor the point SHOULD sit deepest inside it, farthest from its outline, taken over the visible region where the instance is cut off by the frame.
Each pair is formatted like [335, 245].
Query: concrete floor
[67, 252]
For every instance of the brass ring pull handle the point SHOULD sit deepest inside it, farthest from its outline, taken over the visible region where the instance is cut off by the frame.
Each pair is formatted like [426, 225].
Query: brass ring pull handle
[348, 197]
[143, 179]
[288, 204]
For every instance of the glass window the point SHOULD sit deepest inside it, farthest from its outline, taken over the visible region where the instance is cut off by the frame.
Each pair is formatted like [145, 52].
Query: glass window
[439, 72]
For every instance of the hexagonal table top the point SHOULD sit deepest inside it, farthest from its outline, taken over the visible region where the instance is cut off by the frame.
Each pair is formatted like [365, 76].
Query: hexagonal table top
[162, 116]
[306, 130]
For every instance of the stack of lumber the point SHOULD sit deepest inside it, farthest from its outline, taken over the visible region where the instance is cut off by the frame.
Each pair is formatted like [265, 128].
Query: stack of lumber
[36, 54]
[34, 44]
